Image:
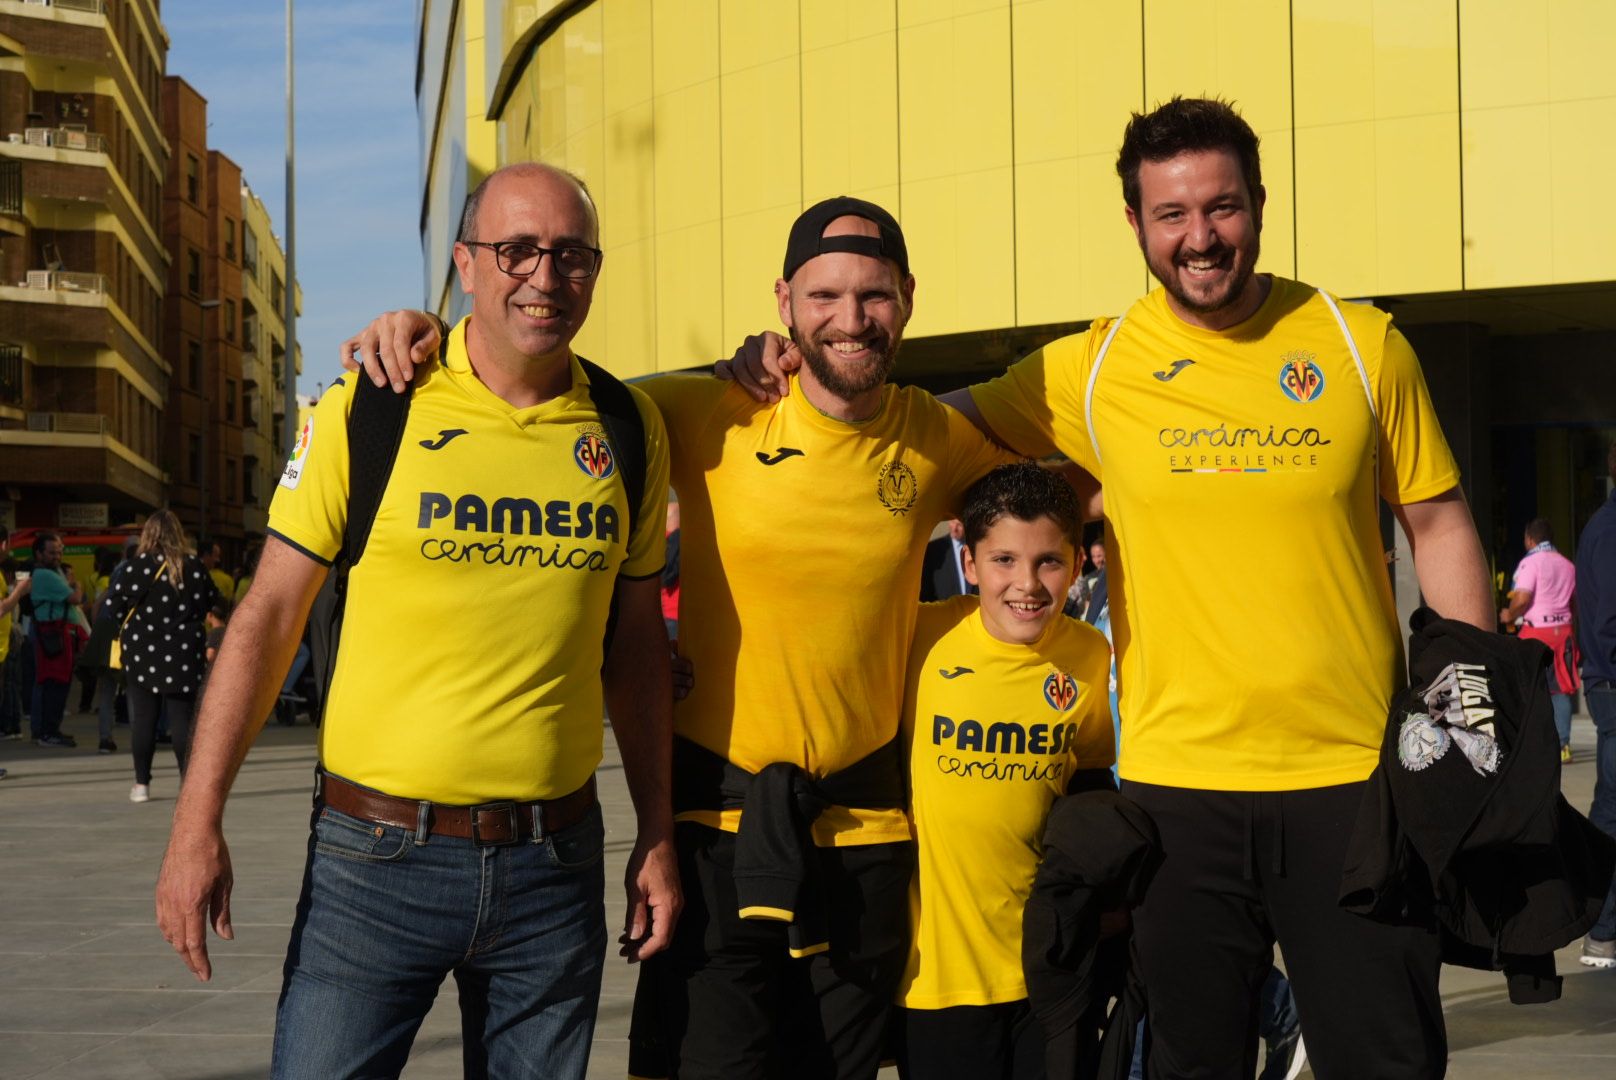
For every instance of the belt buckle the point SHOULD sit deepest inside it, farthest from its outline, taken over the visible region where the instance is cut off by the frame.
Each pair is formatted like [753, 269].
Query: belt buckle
[508, 809]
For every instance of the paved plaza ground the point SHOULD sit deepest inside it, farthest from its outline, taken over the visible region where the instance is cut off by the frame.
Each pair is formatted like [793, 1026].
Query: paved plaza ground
[89, 989]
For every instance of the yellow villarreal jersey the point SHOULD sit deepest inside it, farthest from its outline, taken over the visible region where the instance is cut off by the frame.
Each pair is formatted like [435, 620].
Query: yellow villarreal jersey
[801, 543]
[1250, 603]
[469, 669]
[995, 731]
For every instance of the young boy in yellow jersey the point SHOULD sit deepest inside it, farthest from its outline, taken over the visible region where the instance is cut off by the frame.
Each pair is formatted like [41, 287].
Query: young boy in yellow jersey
[1007, 701]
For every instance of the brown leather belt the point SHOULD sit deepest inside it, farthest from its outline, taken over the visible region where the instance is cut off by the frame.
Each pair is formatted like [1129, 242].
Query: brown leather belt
[486, 824]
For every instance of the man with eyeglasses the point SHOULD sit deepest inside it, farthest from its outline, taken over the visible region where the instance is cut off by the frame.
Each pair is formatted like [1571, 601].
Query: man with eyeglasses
[456, 827]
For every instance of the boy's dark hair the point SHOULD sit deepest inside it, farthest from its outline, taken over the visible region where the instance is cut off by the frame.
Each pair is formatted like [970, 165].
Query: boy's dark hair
[41, 539]
[1187, 124]
[1025, 491]
[1539, 531]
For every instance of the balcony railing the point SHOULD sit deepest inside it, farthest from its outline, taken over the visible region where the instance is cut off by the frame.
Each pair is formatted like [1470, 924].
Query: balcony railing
[65, 139]
[10, 187]
[65, 281]
[68, 423]
[93, 7]
[11, 375]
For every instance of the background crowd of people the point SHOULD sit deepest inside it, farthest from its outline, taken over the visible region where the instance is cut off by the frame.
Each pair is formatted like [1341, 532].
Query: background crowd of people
[135, 627]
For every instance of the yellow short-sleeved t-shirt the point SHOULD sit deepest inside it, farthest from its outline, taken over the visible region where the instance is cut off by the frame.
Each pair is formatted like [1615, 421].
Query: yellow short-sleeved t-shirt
[1253, 616]
[224, 583]
[5, 623]
[995, 731]
[800, 551]
[469, 669]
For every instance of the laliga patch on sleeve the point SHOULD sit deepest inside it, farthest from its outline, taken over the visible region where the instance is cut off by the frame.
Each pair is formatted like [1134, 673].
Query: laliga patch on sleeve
[293, 473]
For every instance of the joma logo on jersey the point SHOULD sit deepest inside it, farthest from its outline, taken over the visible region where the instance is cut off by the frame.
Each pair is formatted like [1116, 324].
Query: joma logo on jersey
[1300, 378]
[520, 517]
[594, 455]
[1004, 738]
[1060, 690]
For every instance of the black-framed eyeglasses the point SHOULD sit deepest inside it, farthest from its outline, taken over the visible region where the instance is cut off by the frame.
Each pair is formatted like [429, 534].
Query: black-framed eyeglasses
[520, 259]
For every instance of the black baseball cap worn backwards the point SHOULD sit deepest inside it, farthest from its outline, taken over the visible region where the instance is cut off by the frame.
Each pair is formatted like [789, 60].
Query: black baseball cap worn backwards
[808, 237]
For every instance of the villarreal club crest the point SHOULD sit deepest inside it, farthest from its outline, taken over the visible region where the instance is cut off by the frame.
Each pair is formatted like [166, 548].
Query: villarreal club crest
[1300, 378]
[593, 454]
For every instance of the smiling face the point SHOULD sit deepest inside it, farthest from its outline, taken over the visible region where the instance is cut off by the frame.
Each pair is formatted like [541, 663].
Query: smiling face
[519, 320]
[846, 312]
[1199, 228]
[1023, 569]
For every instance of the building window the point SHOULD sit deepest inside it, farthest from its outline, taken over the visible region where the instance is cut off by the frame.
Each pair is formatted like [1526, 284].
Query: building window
[193, 181]
[193, 365]
[249, 250]
[230, 320]
[193, 460]
[230, 470]
[193, 272]
[230, 401]
[230, 239]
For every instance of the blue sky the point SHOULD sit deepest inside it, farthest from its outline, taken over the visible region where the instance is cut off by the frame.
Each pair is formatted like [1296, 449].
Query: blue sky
[358, 208]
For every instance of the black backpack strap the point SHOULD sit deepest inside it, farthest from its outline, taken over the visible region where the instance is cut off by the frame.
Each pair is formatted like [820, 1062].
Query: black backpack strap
[625, 430]
[375, 430]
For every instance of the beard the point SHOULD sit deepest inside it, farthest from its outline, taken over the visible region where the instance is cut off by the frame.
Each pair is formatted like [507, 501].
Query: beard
[1227, 294]
[842, 379]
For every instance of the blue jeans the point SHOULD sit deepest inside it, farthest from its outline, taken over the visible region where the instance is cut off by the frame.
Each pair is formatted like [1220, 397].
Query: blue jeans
[1601, 700]
[1562, 717]
[386, 913]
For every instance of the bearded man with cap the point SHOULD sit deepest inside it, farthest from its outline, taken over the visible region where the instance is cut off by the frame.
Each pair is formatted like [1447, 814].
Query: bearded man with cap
[804, 522]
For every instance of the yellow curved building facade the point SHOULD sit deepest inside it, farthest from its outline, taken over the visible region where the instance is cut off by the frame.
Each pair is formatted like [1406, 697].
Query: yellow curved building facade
[1449, 161]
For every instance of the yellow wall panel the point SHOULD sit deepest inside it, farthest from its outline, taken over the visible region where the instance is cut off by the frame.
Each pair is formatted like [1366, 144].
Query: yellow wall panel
[920, 12]
[1049, 227]
[684, 43]
[1279, 213]
[836, 22]
[626, 52]
[585, 75]
[1508, 215]
[850, 126]
[1110, 80]
[1416, 58]
[1110, 271]
[627, 194]
[1582, 40]
[687, 159]
[1579, 172]
[585, 155]
[1334, 42]
[549, 78]
[961, 242]
[1044, 37]
[954, 91]
[762, 150]
[1336, 236]
[689, 306]
[753, 32]
[629, 276]
[1506, 53]
[1238, 49]
[1419, 237]
[754, 245]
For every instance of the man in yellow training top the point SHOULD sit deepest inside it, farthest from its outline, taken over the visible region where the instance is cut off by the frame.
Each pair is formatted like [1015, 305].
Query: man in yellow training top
[1008, 703]
[1255, 680]
[456, 826]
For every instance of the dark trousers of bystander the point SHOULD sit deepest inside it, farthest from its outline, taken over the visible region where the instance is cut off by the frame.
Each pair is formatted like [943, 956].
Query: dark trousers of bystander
[144, 708]
[48, 708]
[1243, 869]
[1601, 698]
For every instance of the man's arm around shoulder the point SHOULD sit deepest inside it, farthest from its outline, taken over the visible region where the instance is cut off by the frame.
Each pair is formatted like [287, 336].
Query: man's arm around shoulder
[196, 878]
[639, 699]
